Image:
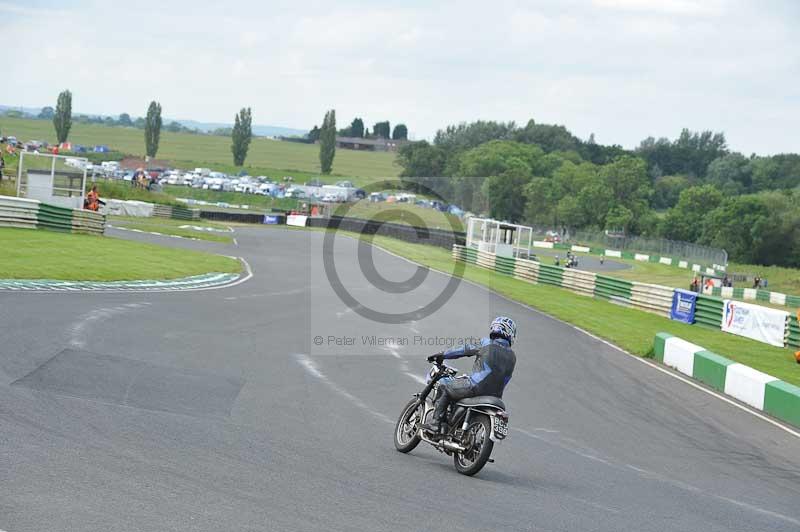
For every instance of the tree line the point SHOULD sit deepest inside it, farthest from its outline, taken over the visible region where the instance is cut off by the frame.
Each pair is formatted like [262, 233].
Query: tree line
[691, 188]
[380, 130]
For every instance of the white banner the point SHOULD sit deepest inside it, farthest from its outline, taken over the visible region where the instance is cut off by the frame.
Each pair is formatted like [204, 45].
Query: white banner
[759, 323]
[296, 220]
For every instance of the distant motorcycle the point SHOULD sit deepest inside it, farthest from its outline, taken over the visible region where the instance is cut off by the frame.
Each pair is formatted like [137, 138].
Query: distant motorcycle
[475, 424]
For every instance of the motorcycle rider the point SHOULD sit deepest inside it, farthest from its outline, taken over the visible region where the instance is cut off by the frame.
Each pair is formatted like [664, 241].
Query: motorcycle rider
[494, 364]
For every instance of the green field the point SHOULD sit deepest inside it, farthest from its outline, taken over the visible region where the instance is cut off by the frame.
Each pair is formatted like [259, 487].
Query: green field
[266, 157]
[39, 254]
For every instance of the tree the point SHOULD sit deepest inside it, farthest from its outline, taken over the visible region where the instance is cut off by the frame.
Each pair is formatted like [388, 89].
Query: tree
[548, 137]
[420, 159]
[313, 135]
[400, 132]
[62, 119]
[690, 154]
[732, 224]
[241, 136]
[327, 142]
[357, 128]
[174, 127]
[125, 120]
[667, 190]
[732, 174]
[152, 129]
[619, 218]
[139, 123]
[47, 113]
[454, 139]
[382, 130]
[685, 220]
[507, 167]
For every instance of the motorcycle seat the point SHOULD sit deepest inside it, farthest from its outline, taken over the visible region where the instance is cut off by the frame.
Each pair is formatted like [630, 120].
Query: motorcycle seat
[483, 400]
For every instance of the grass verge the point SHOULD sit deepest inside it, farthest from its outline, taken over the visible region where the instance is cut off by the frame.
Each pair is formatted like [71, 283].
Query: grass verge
[174, 227]
[38, 254]
[630, 329]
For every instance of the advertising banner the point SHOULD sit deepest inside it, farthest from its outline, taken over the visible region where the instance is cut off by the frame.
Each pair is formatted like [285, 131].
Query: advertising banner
[684, 304]
[759, 323]
[296, 220]
[271, 219]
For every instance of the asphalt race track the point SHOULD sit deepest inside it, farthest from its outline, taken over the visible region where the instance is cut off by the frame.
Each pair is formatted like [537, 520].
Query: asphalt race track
[216, 410]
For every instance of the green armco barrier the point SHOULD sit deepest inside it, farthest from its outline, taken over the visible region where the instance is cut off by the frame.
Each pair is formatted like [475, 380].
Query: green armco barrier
[794, 332]
[55, 218]
[505, 265]
[762, 295]
[711, 369]
[793, 301]
[611, 288]
[550, 274]
[471, 254]
[628, 255]
[708, 311]
[782, 400]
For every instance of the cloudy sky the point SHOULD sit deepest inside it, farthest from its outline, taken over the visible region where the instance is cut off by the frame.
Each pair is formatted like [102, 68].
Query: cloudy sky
[622, 69]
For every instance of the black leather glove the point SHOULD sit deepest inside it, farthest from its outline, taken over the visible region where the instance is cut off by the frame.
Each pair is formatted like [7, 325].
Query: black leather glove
[438, 358]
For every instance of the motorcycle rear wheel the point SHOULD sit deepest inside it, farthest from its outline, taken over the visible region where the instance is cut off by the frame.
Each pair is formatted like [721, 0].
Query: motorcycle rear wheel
[480, 446]
[406, 431]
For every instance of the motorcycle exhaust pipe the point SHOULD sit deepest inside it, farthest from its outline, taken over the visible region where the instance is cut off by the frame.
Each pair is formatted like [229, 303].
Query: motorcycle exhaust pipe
[451, 446]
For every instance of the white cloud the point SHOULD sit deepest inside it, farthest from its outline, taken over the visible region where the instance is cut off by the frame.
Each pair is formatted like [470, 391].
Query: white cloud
[622, 69]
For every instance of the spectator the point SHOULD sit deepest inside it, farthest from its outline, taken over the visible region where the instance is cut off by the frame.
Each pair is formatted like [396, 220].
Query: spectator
[764, 283]
[2, 165]
[726, 281]
[93, 199]
[757, 282]
[695, 286]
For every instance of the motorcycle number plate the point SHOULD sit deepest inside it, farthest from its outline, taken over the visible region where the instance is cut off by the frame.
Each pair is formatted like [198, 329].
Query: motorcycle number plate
[500, 428]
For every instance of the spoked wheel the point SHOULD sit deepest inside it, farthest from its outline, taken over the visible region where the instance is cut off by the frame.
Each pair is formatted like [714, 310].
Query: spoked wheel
[479, 446]
[406, 432]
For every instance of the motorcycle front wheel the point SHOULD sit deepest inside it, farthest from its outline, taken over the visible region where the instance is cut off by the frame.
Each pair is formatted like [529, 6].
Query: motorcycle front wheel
[406, 431]
[479, 446]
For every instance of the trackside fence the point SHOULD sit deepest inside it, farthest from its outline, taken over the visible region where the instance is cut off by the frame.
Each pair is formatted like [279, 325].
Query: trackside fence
[33, 214]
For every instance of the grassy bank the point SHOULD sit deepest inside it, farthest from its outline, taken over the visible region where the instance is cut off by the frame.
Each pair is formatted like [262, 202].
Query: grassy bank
[38, 254]
[631, 329]
[265, 157]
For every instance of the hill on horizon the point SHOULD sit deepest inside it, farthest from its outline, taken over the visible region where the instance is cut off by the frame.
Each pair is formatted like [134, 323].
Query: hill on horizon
[258, 129]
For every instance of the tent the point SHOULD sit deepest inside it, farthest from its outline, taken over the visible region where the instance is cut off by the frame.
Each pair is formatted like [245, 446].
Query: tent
[65, 146]
[101, 149]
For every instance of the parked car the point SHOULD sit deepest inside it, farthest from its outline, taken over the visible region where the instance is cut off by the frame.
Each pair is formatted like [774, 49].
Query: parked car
[293, 192]
[330, 198]
[552, 236]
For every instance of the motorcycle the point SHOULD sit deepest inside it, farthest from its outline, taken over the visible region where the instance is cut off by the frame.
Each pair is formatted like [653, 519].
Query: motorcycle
[475, 424]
